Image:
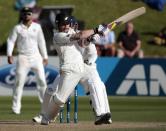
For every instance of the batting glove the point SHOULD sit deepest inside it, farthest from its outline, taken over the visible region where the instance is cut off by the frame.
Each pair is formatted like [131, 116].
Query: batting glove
[101, 29]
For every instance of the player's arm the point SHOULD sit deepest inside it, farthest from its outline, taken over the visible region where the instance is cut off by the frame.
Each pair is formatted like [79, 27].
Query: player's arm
[61, 38]
[101, 30]
[10, 44]
[42, 46]
[82, 34]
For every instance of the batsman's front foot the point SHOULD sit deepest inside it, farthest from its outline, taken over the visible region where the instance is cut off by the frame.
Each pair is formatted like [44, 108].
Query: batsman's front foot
[17, 112]
[55, 119]
[103, 119]
[45, 121]
[37, 119]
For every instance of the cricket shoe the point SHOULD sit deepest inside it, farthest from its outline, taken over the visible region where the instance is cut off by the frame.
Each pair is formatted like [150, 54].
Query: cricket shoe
[108, 122]
[103, 119]
[17, 112]
[45, 121]
[54, 119]
[37, 119]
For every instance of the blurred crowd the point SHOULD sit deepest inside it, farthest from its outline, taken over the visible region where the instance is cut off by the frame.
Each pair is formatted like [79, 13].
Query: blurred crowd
[125, 44]
[19, 4]
[158, 5]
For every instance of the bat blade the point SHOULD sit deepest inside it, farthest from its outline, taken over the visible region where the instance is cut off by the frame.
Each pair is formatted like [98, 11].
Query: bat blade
[127, 17]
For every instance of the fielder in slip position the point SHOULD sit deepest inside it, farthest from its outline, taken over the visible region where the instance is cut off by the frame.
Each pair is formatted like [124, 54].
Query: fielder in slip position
[32, 54]
[72, 67]
[90, 81]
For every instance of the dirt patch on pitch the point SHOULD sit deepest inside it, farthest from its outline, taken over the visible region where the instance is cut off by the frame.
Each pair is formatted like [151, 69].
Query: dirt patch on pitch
[81, 126]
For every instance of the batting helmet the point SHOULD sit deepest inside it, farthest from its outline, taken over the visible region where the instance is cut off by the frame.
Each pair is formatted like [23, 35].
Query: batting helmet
[72, 20]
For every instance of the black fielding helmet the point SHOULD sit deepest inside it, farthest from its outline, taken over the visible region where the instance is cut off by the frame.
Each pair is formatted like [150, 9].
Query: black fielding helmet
[62, 19]
[26, 10]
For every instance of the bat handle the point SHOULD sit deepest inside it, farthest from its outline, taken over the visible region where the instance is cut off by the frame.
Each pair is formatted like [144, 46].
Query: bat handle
[113, 24]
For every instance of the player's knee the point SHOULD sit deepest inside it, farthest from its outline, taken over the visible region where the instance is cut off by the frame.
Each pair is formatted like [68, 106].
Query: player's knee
[58, 100]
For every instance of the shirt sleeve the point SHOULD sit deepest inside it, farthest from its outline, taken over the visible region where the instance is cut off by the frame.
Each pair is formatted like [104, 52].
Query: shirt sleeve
[42, 43]
[61, 38]
[11, 41]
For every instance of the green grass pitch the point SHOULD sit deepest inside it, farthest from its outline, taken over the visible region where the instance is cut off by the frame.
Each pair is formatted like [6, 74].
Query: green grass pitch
[124, 109]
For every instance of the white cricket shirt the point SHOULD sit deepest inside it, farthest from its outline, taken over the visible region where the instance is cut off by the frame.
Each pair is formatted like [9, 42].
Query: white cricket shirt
[30, 40]
[66, 49]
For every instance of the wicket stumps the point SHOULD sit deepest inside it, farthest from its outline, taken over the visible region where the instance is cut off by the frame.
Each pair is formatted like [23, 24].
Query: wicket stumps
[68, 108]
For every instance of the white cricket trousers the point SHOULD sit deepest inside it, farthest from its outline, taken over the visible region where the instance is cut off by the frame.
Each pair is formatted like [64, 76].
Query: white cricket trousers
[69, 78]
[23, 66]
[93, 84]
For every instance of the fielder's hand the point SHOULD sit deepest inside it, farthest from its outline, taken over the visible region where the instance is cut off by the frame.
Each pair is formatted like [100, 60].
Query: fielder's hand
[45, 62]
[10, 59]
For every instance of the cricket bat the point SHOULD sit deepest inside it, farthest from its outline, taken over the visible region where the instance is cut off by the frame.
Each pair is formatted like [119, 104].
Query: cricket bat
[127, 17]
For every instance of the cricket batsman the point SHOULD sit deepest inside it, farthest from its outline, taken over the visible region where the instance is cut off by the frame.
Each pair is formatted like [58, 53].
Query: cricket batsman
[72, 66]
[91, 82]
